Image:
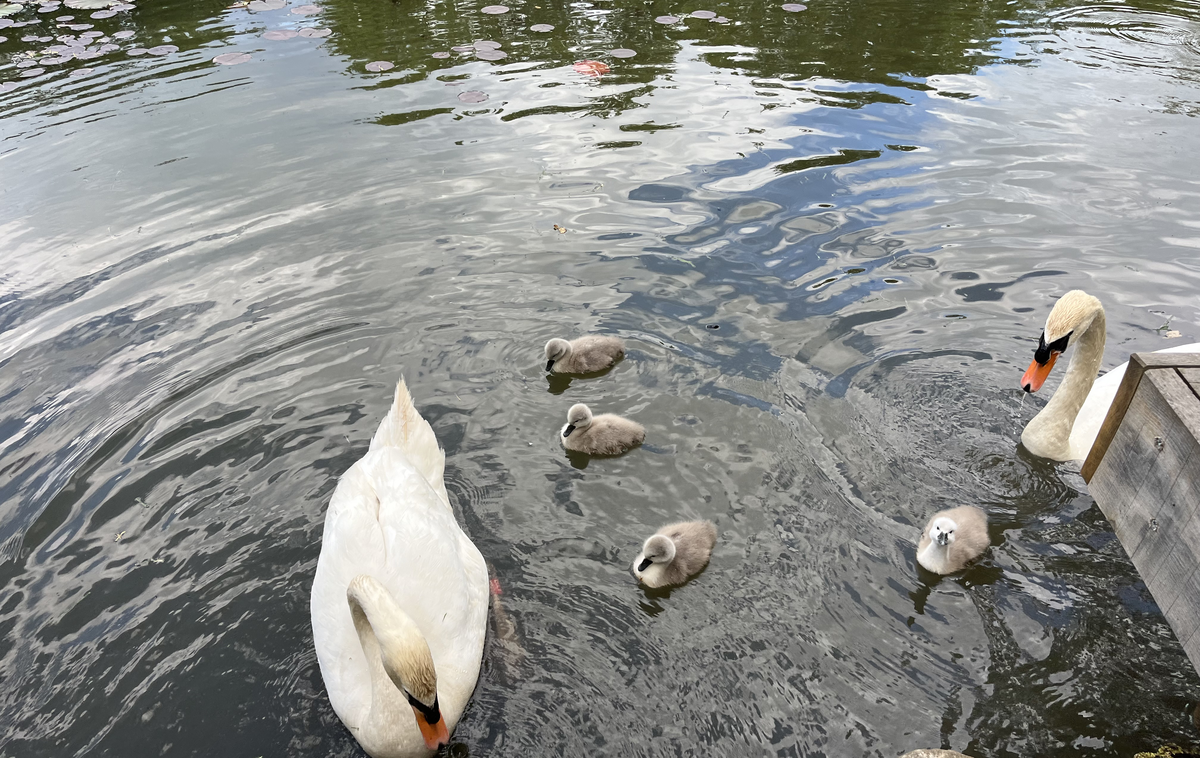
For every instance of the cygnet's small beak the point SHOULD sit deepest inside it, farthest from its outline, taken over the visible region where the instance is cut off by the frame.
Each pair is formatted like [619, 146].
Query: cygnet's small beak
[435, 735]
[645, 564]
[549, 364]
[570, 428]
[942, 539]
[1036, 374]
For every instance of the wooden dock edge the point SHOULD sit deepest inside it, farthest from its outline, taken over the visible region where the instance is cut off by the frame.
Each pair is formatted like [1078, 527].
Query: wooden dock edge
[1139, 364]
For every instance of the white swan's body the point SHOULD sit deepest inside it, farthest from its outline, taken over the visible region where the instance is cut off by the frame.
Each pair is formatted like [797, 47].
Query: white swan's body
[1067, 427]
[390, 520]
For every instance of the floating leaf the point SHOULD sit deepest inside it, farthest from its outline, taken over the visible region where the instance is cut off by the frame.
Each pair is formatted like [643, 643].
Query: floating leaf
[104, 14]
[315, 32]
[265, 5]
[591, 68]
[306, 10]
[124, 34]
[80, 27]
[486, 44]
[64, 18]
[3, 40]
[80, 72]
[667, 20]
[622, 52]
[89, 5]
[9, 86]
[494, 10]
[472, 96]
[441, 54]
[491, 55]
[463, 48]
[704, 14]
[7, 9]
[280, 34]
[542, 28]
[123, 7]
[720, 20]
[51, 60]
[377, 66]
[560, 229]
[136, 51]
[231, 59]
[163, 50]
[794, 7]
[30, 72]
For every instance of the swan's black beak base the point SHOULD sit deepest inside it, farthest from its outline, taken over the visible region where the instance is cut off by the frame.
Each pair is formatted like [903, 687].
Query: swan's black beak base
[645, 564]
[570, 428]
[549, 364]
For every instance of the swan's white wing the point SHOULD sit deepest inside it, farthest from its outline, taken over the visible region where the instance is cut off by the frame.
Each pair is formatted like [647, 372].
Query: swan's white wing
[406, 430]
[1099, 400]
[387, 521]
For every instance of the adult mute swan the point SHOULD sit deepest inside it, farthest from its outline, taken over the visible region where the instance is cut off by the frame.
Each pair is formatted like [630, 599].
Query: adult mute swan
[1066, 428]
[399, 601]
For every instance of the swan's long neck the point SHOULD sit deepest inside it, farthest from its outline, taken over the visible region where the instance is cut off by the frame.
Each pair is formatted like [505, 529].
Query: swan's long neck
[1048, 434]
[396, 652]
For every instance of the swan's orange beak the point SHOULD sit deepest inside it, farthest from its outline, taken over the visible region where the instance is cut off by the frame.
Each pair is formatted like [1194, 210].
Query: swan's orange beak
[435, 735]
[1035, 375]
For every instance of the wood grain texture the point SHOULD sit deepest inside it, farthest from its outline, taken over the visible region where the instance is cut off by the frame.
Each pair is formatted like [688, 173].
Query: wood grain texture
[1147, 483]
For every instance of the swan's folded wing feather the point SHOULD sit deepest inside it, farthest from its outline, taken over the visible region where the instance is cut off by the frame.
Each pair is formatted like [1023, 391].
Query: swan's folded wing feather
[406, 430]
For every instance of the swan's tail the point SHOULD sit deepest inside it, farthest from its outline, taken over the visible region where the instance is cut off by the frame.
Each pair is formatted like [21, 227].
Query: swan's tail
[403, 428]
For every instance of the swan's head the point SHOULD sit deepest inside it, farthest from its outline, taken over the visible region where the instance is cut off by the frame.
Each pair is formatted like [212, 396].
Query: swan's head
[579, 417]
[942, 531]
[556, 349]
[403, 652]
[1071, 316]
[658, 549]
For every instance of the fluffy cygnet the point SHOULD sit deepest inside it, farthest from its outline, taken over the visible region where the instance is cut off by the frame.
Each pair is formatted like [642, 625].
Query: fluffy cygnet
[606, 434]
[675, 553]
[952, 539]
[583, 355]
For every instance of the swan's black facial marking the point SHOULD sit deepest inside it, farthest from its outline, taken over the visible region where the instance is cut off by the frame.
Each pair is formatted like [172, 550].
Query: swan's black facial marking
[431, 713]
[549, 364]
[1043, 352]
[567, 432]
[645, 564]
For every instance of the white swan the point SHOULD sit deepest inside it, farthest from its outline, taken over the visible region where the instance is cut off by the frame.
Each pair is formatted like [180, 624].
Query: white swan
[1066, 428]
[399, 601]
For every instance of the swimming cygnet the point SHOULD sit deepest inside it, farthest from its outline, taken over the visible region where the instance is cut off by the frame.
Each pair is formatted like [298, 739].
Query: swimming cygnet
[675, 553]
[583, 355]
[952, 539]
[606, 434]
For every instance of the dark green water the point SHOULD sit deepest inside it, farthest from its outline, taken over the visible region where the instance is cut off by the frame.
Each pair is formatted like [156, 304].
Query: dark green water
[830, 239]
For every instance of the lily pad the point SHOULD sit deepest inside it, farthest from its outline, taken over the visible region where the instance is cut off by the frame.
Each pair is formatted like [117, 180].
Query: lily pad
[278, 34]
[64, 19]
[491, 55]
[463, 48]
[9, 86]
[265, 5]
[89, 5]
[124, 34]
[7, 9]
[472, 96]
[231, 59]
[6, 22]
[542, 28]
[163, 50]
[377, 66]
[104, 14]
[315, 32]
[31, 72]
[622, 52]
[80, 72]
[494, 10]
[440, 54]
[487, 44]
[306, 10]
[794, 7]
[667, 20]
[704, 14]
[136, 51]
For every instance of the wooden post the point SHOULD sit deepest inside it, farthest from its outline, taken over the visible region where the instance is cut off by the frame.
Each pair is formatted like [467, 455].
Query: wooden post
[1144, 472]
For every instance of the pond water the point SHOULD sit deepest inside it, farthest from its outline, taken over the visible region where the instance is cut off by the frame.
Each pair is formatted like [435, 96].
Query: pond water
[830, 238]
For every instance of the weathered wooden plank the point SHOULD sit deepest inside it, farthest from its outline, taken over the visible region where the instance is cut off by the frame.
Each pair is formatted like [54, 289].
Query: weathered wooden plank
[1148, 485]
[1139, 363]
[1192, 377]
